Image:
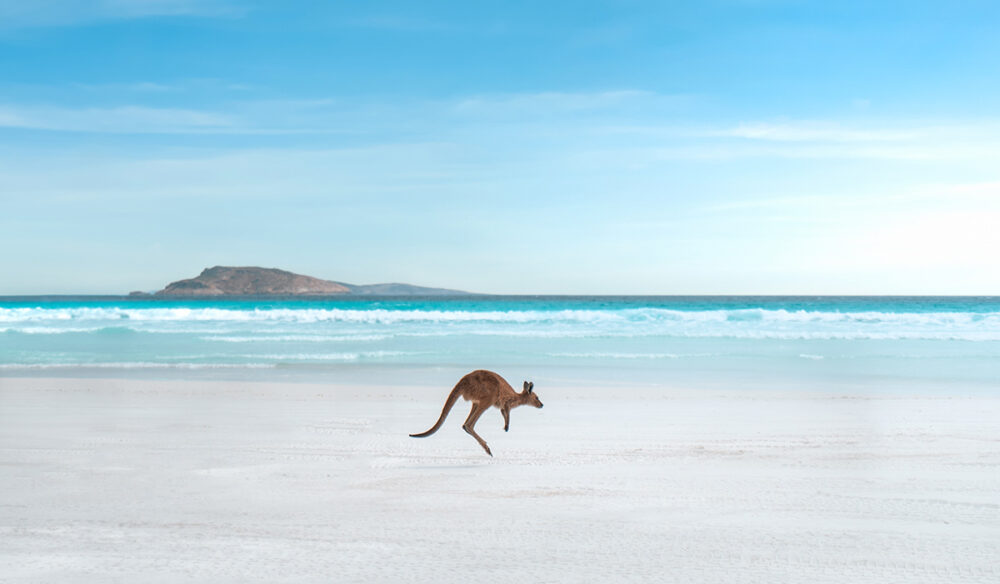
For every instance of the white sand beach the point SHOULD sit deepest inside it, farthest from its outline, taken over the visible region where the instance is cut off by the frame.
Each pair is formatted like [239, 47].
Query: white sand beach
[117, 480]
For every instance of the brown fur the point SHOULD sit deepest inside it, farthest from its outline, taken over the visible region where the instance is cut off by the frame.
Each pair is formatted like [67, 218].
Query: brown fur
[485, 389]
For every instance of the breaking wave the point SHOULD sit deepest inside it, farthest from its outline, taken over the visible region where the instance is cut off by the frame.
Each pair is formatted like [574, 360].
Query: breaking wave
[327, 324]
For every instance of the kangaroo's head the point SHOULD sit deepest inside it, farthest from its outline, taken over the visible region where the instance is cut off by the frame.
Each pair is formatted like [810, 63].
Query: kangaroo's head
[531, 398]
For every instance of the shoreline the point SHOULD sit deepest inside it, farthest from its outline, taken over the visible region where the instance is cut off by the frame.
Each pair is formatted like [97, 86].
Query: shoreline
[223, 481]
[443, 376]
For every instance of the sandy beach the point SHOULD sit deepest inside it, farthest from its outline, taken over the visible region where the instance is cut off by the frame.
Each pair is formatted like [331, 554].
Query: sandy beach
[120, 480]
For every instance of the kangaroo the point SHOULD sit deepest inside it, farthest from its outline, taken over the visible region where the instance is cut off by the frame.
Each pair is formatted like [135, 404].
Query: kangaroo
[485, 389]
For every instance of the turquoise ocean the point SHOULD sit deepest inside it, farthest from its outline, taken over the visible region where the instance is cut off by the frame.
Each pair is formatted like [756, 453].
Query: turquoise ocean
[754, 342]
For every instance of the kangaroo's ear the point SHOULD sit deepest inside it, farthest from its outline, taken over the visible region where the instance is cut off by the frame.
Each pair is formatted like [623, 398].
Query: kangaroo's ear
[527, 387]
[531, 386]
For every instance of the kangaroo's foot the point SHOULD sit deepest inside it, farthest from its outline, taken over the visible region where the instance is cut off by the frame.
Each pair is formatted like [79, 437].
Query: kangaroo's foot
[481, 442]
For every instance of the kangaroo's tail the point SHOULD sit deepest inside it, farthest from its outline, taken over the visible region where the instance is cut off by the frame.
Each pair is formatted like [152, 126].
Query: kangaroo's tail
[448, 404]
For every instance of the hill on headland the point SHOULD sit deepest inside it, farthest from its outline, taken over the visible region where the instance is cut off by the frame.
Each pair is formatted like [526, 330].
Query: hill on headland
[253, 281]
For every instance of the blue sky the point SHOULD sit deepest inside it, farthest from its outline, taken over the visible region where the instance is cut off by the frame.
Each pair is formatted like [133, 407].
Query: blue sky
[509, 147]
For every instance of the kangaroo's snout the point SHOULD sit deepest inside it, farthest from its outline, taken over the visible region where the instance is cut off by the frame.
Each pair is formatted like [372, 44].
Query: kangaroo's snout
[540, 405]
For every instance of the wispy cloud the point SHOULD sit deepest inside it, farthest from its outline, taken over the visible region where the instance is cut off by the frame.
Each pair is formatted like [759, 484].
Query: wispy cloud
[627, 127]
[398, 22]
[315, 114]
[116, 120]
[923, 196]
[549, 100]
[142, 87]
[809, 131]
[16, 14]
[896, 139]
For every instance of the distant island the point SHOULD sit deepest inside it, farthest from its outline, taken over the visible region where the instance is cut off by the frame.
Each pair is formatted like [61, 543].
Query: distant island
[253, 281]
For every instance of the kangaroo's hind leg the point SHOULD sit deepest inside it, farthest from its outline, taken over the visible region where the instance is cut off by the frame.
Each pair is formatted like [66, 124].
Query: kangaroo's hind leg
[470, 425]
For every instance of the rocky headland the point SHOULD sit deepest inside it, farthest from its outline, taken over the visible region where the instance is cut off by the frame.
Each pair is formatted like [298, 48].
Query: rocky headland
[254, 281]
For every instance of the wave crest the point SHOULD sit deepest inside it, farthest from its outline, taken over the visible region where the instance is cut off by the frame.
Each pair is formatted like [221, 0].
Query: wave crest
[354, 325]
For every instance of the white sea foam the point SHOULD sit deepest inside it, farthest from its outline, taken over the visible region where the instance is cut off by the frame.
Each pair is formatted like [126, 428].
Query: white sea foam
[982, 333]
[307, 315]
[602, 355]
[49, 330]
[287, 324]
[388, 316]
[345, 356]
[294, 338]
[137, 365]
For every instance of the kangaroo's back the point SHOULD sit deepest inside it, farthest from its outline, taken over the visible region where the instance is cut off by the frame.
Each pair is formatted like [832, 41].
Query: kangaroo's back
[484, 387]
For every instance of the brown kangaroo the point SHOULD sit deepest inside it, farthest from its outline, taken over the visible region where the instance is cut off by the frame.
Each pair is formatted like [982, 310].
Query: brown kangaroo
[485, 389]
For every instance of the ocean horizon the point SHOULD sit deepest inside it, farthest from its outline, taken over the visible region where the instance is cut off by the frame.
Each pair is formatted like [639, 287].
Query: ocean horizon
[834, 342]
